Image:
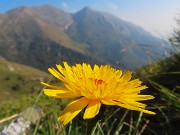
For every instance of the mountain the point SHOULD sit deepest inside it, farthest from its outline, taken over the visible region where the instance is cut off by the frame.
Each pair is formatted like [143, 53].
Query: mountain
[35, 36]
[45, 35]
[112, 39]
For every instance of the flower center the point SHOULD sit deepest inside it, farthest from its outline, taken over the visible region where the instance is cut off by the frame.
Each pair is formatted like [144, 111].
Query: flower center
[98, 82]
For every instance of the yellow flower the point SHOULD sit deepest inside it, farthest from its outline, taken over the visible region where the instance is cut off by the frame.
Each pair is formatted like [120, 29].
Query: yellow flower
[93, 87]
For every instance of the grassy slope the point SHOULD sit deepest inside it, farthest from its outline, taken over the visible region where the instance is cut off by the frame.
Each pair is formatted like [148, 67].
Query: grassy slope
[17, 80]
[163, 81]
[20, 88]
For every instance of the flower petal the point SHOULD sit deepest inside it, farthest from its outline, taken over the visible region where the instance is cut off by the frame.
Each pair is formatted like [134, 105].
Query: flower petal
[56, 74]
[127, 76]
[72, 109]
[136, 90]
[131, 107]
[60, 93]
[127, 106]
[140, 97]
[92, 109]
[51, 86]
[108, 102]
[131, 102]
[68, 68]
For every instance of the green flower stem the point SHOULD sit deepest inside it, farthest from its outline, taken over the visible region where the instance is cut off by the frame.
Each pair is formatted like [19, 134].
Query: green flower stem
[91, 123]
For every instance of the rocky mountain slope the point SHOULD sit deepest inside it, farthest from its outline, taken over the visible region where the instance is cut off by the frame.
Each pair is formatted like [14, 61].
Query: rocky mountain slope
[44, 35]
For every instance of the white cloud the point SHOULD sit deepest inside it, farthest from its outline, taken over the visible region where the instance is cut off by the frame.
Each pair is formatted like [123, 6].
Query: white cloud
[112, 6]
[64, 4]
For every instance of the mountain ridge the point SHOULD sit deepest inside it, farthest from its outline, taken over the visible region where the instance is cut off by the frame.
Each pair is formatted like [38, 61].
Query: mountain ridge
[85, 36]
[113, 33]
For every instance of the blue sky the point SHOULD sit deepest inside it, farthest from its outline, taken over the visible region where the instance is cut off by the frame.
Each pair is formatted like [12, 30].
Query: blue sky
[156, 16]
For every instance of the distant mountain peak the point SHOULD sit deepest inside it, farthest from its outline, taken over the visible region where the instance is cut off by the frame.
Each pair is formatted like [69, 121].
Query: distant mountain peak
[48, 10]
[42, 8]
[23, 7]
[85, 12]
[86, 8]
[47, 7]
[19, 9]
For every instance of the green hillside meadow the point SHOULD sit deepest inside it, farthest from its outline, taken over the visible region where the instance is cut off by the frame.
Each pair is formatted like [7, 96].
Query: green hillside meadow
[17, 80]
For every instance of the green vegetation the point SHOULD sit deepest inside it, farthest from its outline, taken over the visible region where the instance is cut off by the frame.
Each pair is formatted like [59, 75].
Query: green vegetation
[163, 81]
[17, 80]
